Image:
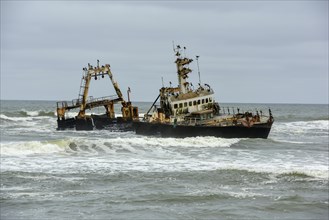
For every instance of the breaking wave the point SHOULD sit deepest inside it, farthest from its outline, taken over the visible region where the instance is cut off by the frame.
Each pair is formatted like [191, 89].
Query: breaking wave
[111, 145]
[280, 171]
[198, 142]
[7, 118]
[24, 113]
[318, 127]
[37, 113]
[147, 154]
[32, 147]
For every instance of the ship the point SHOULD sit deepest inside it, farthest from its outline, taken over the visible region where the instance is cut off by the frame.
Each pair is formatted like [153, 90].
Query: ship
[84, 102]
[187, 112]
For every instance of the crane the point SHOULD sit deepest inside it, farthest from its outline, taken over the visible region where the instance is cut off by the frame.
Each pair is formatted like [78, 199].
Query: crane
[86, 122]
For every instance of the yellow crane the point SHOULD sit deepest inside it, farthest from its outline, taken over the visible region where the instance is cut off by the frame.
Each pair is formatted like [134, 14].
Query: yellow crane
[86, 122]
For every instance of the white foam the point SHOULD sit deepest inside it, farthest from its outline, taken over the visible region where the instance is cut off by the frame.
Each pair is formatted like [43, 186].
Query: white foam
[153, 160]
[2, 116]
[244, 193]
[196, 142]
[300, 127]
[32, 147]
[71, 114]
[301, 132]
[153, 154]
[32, 113]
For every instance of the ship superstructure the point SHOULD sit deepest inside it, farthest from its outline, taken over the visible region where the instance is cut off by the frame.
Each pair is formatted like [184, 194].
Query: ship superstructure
[177, 102]
[185, 111]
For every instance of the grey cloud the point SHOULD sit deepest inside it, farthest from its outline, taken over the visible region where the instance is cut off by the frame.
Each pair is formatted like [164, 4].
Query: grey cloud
[259, 42]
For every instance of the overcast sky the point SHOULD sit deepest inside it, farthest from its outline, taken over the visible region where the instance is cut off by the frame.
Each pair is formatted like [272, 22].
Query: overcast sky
[250, 51]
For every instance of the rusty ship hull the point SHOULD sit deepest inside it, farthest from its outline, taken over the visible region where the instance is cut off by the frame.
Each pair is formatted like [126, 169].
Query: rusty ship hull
[96, 122]
[182, 131]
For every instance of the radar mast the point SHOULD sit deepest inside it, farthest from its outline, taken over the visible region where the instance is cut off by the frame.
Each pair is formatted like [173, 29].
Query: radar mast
[182, 69]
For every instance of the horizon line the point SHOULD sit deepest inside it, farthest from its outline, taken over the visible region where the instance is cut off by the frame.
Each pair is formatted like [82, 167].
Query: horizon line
[283, 103]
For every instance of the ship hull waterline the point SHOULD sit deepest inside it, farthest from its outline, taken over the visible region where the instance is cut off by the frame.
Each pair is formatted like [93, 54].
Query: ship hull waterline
[182, 131]
[98, 122]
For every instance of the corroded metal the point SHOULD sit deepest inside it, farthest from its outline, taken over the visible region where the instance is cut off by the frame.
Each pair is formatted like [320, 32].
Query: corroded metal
[83, 121]
[185, 111]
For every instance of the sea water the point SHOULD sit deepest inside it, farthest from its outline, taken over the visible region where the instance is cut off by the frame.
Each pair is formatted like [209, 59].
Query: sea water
[50, 174]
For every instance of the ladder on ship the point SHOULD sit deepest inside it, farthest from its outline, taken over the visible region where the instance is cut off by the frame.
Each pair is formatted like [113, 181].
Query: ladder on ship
[83, 85]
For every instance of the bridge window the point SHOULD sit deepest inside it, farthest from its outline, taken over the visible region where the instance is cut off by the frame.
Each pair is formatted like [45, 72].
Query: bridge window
[181, 105]
[194, 102]
[185, 104]
[202, 101]
[190, 103]
[209, 99]
[206, 100]
[175, 106]
[198, 102]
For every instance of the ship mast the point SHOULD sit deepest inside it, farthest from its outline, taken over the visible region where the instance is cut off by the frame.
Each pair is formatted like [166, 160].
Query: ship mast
[182, 70]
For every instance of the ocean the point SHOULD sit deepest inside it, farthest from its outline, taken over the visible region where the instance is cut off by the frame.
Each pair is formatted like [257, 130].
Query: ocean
[50, 174]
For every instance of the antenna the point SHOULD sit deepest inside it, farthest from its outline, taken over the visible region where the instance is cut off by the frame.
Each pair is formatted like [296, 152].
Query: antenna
[128, 93]
[197, 61]
[162, 82]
